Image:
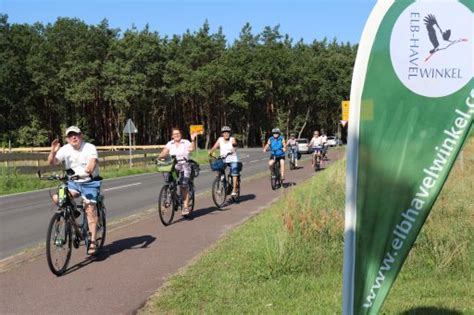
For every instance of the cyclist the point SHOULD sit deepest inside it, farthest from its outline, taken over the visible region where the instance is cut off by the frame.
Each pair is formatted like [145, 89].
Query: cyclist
[324, 139]
[227, 144]
[82, 157]
[277, 145]
[317, 143]
[292, 145]
[180, 148]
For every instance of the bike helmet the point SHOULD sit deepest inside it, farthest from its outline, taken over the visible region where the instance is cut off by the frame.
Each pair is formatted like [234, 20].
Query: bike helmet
[276, 130]
[225, 129]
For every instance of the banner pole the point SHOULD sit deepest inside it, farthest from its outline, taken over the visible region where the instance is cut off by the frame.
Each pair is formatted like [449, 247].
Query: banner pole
[358, 79]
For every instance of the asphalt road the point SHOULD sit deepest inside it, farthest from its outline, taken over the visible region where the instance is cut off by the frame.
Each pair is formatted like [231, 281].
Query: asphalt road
[24, 217]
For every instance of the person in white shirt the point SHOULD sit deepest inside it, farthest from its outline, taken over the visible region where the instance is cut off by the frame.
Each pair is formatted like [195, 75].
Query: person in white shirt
[226, 145]
[81, 157]
[292, 146]
[317, 143]
[180, 148]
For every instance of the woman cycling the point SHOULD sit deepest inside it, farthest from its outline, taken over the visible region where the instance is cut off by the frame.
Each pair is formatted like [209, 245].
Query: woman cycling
[180, 148]
[292, 146]
[228, 147]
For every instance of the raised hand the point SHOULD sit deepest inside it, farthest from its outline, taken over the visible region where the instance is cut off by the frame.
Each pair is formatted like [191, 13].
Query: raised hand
[194, 135]
[55, 146]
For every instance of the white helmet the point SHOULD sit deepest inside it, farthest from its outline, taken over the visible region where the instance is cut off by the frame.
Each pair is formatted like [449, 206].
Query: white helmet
[225, 129]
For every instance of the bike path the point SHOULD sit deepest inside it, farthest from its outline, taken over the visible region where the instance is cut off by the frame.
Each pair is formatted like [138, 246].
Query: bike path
[136, 259]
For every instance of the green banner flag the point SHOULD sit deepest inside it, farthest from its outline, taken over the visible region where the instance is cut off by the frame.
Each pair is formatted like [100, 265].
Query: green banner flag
[412, 107]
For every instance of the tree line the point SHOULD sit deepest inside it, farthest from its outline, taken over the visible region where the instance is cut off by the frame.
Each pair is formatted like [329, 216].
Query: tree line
[96, 77]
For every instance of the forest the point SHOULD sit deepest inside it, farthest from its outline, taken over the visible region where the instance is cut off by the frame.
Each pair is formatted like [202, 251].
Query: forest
[96, 77]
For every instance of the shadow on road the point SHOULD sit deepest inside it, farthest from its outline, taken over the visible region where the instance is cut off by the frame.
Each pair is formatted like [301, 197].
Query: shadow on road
[138, 242]
[288, 184]
[204, 211]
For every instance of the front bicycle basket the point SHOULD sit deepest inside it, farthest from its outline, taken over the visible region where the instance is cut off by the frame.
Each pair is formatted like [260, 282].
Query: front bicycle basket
[165, 166]
[217, 164]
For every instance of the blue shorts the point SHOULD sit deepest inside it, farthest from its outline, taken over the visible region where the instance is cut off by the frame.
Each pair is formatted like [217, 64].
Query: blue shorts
[89, 191]
[234, 168]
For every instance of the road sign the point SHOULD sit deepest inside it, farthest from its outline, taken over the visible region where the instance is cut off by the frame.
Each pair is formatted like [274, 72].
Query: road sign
[345, 110]
[130, 127]
[199, 129]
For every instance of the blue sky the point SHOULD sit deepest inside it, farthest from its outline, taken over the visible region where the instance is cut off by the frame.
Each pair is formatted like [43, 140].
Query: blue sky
[343, 19]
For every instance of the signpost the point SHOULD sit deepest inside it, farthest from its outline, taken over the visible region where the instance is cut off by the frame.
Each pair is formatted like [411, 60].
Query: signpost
[130, 128]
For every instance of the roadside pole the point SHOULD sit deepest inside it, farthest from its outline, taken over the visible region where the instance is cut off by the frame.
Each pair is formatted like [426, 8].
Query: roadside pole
[130, 129]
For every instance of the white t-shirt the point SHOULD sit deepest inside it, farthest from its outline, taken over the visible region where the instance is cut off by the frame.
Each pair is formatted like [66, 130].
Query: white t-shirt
[316, 142]
[78, 159]
[226, 147]
[181, 150]
[292, 143]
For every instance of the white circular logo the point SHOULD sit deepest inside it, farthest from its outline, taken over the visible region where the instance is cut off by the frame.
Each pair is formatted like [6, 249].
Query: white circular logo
[431, 47]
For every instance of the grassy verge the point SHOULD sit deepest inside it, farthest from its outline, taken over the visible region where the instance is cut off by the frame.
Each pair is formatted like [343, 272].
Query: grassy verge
[12, 181]
[288, 259]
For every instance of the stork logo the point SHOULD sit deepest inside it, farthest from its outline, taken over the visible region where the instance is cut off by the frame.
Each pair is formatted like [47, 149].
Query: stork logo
[431, 47]
[430, 22]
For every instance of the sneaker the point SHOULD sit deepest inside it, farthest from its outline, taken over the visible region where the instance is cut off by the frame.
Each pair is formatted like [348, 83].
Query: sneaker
[234, 194]
[185, 211]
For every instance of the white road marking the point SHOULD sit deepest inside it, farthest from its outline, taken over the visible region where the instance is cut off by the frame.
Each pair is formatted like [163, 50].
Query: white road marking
[123, 186]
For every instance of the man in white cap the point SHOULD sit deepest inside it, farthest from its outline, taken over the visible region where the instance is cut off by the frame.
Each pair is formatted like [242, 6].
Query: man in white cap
[83, 159]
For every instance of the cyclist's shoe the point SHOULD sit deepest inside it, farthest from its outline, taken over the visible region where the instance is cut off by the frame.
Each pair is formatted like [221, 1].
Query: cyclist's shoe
[234, 194]
[185, 211]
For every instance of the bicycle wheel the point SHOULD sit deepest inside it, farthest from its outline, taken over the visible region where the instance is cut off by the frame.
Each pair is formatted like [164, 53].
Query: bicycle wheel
[274, 178]
[101, 225]
[166, 205]
[58, 244]
[219, 192]
[317, 164]
[191, 198]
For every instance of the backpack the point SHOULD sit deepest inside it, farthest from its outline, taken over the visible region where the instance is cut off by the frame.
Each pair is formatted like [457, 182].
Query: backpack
[276, 145]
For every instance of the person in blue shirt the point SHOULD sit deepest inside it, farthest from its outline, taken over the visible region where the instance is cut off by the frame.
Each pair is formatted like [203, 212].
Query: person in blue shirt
[277, 146]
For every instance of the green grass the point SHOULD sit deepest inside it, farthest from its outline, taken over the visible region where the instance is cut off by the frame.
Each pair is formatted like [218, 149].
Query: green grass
[288, 259]
[11, 181]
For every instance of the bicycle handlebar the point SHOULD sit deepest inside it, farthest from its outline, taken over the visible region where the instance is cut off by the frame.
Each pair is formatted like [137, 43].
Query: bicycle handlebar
[64, 177]
[221, 156]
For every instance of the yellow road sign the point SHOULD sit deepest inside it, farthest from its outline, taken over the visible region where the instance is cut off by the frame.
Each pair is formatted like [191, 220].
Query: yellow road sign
[199, 129]
[345, 110]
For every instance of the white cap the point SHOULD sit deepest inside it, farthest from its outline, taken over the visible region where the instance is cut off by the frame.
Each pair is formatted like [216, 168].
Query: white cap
[73, 129]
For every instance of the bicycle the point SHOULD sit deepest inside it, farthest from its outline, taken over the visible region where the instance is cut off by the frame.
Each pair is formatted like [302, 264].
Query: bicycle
[275, 178]
[292, 156]
[170, 199]
[64, 231]
[317, 158]
[222, 185]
